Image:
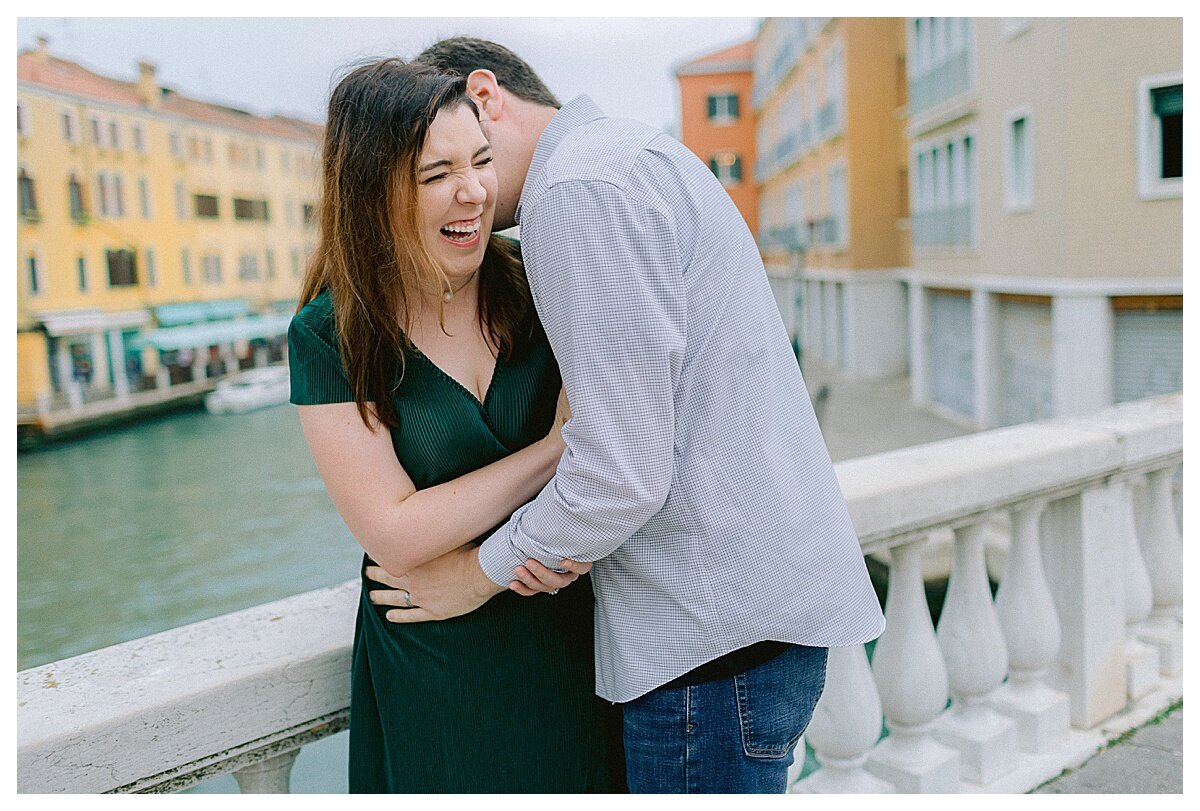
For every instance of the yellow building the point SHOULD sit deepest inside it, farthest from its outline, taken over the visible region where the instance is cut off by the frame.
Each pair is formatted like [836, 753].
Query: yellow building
[832, 164]
[160, 239]
[1047, 192]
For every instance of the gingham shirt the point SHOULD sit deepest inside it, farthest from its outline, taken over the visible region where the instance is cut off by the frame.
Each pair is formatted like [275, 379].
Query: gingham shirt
[695, 474]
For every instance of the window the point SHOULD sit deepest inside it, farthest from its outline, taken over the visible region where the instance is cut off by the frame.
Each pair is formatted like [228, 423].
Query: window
[144, 196]
[310, 214]
[270, 264]
[150, 275]
[295, 256]
[70, 127]
[185, 262]
[27, 196]
[118, 192]
[122, 268]
[139, 139]
[114, 135]
[1018, 175]
[176, 144]
[208, 150]
[1160, 136]
[290, 208]
[727, 167]
[205, 206]
[81, 267]
[75, 196]
[249, 209]
[212, 268]
[248, 267]
[22, 120]
[34, 268]
[837, 231]
[723, 108]
[180, 201]
[260, 158]
[97, 138]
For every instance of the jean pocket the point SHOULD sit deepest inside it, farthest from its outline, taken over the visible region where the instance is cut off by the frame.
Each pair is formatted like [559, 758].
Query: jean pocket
[775, 701]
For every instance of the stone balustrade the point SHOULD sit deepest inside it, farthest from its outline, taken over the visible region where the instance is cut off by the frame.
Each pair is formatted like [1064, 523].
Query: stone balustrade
[1082, 640]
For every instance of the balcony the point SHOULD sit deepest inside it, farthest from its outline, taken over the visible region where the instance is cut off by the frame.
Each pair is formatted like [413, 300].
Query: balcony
[940, 84]
[1086, 627]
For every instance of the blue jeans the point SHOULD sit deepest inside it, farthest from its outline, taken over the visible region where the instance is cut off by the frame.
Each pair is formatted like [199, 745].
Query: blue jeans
[731, 736]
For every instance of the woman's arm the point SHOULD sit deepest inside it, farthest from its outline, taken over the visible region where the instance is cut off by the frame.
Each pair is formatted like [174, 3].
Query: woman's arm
[399, 526]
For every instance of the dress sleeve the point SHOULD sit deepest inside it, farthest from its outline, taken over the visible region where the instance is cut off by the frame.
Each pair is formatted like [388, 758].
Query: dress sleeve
[318, 375]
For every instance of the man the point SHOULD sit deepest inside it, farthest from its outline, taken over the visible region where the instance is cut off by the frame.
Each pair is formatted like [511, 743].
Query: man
[696, 477]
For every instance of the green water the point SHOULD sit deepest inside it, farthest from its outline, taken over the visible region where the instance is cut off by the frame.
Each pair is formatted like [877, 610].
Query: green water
[168, 522]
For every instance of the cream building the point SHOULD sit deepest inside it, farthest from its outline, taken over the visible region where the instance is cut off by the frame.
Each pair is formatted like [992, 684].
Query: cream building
[1046, 180]
[160, 239]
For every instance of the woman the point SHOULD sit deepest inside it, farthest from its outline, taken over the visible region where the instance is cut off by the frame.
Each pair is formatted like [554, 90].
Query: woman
[427, 395]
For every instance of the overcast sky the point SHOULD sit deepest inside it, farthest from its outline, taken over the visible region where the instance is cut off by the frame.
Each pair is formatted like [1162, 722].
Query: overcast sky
[269, 65]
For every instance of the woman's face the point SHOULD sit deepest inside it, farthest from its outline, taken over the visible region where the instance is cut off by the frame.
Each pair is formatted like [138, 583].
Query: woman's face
[456, 191]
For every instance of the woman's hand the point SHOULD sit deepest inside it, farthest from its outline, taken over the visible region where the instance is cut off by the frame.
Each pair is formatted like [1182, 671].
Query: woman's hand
[534, 578]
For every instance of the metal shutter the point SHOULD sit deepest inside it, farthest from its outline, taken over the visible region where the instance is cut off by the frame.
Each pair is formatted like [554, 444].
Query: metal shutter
[1147, 353]
[950, 354]
[1025, 361]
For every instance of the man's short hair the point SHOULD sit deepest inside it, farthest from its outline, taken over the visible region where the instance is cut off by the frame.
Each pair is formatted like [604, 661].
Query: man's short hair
[461, 55]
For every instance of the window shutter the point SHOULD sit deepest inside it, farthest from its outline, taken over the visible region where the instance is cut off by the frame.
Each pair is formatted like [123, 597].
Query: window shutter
[1168, 100]
[712, 106]
[735, 171]
[732, 105]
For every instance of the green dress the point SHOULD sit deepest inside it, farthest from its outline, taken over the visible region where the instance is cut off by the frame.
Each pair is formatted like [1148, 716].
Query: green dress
[502, 699]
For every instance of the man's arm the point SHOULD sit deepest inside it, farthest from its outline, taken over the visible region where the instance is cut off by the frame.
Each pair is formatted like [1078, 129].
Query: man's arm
[607, 278]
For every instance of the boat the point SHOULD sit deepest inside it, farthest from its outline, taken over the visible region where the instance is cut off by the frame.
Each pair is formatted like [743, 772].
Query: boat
[250, 390]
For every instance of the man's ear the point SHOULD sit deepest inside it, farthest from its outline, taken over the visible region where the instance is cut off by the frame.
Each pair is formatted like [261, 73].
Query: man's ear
[485, 92]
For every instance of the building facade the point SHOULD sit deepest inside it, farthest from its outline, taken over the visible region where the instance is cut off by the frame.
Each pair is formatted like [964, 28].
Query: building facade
[717, 120]
[160, 239]
[993, 205]
[1046, 180]
[829, 95]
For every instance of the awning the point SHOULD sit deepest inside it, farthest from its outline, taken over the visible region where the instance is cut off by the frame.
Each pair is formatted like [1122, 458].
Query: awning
[209, 333]
[188, 312]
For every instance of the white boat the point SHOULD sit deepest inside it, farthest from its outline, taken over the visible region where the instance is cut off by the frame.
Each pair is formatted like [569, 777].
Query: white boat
[248, 390]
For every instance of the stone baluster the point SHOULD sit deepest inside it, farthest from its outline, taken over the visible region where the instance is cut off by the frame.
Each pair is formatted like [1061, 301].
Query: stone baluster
[270, 776]
[1032, 635]
[1141, 660]
[911, 679]
[1163, 553]
[845, 727]
[976, 659]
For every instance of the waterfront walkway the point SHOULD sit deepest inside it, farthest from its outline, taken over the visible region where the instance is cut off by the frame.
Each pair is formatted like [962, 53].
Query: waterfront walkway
[859, 418]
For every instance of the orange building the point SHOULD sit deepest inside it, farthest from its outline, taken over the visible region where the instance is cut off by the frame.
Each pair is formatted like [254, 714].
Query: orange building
[718, 122]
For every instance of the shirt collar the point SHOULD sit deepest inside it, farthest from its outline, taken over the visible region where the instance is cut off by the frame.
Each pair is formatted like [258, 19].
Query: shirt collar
[578, 111]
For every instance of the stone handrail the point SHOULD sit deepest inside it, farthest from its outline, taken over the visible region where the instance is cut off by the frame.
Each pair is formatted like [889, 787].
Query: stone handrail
[1030, 676]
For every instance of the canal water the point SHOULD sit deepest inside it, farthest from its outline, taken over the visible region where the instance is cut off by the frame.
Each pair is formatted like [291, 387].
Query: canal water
[168, 522]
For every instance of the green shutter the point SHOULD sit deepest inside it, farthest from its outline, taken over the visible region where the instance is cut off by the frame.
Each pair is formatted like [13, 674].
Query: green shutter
[735, 171]
[712, 165]
[712, 106]
[1168, 100]
[733, 105]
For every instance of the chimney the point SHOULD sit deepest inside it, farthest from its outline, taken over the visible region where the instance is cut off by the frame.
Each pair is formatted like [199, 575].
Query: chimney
[43, 47]
[148, 89]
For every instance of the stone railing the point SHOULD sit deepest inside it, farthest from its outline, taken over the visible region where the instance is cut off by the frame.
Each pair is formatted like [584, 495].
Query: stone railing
[1083, 637]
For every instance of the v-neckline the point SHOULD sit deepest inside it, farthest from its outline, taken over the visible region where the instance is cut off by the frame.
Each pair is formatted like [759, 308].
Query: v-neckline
[482, 404]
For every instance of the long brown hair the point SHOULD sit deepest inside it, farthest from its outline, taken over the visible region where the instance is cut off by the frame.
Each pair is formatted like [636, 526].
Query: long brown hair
[370, 255]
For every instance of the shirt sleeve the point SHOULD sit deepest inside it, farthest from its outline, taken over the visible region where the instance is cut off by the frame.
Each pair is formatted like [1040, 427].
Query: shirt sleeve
[606, 276]
[317, 373]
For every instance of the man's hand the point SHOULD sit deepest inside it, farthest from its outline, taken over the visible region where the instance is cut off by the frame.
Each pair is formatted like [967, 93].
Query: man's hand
[445, 587]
